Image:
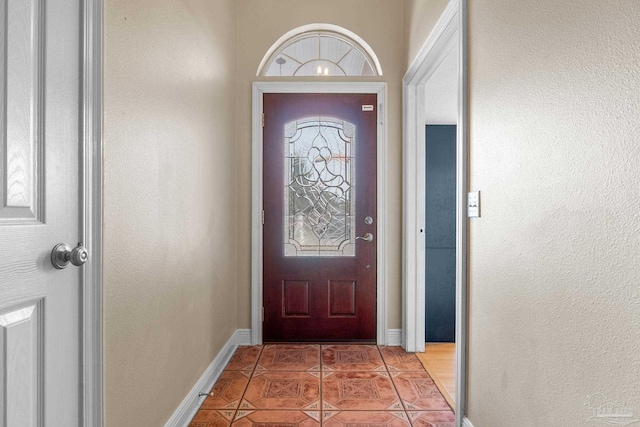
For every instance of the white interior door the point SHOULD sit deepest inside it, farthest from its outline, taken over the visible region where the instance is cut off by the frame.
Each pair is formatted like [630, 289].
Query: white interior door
[40, 306]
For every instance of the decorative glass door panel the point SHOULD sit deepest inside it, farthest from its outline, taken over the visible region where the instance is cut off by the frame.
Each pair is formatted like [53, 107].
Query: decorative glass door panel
[319, 194]
[319, 200]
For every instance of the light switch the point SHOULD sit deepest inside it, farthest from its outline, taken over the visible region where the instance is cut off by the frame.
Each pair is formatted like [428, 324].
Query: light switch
[473, 204]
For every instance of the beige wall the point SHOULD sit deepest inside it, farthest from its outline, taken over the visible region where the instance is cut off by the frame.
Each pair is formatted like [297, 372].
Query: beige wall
[420, 16]
[170, 226]
[260, 24]
[553, 268]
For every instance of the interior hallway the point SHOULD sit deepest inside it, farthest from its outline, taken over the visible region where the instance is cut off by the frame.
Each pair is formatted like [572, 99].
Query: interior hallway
[552, 263]
[329, 385]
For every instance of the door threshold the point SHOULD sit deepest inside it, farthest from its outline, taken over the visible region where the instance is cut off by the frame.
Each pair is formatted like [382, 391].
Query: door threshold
[320, 342]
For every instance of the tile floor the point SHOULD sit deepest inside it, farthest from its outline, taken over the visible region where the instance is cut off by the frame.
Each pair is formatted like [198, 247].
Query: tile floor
[290, 385]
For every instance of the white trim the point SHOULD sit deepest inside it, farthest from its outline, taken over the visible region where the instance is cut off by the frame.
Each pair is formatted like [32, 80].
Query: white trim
[462, 237]
[450, 33]
[91, 182]
[466, 422]
[260, 88]
[394, 337]
[359, 41]
[191, 403]
[243, 337]
[435, 46]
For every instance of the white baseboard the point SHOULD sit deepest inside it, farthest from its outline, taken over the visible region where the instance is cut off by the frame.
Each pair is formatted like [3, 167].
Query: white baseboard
[466, 422]
[394, 337]
[243, 336]
[189, 406]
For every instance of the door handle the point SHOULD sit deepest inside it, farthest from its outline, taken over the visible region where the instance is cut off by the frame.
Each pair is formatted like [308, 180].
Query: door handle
[367, 237]
[62, 255]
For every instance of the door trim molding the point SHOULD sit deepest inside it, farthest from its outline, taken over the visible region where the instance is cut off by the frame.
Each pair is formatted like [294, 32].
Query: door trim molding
[92, 356]
[449, 34]
[260, 88]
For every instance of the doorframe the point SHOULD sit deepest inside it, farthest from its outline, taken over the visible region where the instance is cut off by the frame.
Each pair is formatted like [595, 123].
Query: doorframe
[449, 34]
[259, 89]
[91, 213]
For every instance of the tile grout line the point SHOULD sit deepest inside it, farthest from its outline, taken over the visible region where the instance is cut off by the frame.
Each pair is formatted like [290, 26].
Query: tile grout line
[253, 370]
[404, 408]
[321, 381]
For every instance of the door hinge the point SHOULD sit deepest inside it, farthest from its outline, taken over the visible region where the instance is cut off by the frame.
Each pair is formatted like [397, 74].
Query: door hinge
[262, 216]
[262, 119]
[263, 314]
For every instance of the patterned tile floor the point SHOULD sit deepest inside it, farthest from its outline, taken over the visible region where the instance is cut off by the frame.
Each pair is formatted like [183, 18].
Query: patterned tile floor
[291, 385]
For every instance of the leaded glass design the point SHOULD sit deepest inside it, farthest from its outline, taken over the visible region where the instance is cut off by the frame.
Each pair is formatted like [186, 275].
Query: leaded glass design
[319, 188]
[320, 54]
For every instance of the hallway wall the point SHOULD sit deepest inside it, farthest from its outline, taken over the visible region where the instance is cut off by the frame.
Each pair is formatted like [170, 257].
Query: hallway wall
[553, 261]
[170, 228]
[260, 24]
[553, 268]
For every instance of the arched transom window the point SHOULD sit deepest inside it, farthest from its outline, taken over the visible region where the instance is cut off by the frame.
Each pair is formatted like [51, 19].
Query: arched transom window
[320, 50]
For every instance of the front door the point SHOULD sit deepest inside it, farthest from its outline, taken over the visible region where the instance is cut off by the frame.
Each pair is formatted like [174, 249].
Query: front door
[319, 201]
[40, 306]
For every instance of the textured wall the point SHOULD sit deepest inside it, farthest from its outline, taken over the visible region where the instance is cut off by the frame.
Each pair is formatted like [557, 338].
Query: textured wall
[260, 24]
[553, 268]
[169, 201]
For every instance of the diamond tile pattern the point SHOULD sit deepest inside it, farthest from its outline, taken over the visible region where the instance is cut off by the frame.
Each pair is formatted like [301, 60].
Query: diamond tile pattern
[290, 357]
[227, 391]
[352, 358]
[359, 390]
[398, 360]
[302, 385]
[418, 391]
[283, 390]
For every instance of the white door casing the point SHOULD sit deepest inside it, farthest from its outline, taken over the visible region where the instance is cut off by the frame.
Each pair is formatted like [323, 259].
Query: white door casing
[259, 88]
[50, 346]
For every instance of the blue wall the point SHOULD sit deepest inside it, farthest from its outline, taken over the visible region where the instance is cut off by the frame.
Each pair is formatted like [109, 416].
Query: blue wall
[440, 231]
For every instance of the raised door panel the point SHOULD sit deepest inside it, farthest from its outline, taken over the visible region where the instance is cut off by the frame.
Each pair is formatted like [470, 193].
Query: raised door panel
[342, 298]
[21, 63]
[21, 352]
[295, 298]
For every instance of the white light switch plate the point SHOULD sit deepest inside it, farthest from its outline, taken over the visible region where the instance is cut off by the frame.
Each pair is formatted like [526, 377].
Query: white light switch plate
[473, 204]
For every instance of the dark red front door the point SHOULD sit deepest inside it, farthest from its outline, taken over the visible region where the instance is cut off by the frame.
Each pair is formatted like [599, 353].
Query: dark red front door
[319, 196]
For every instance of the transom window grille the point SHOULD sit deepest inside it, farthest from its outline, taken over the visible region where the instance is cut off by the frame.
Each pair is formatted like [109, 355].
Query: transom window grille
[319, 188]
[321, 53]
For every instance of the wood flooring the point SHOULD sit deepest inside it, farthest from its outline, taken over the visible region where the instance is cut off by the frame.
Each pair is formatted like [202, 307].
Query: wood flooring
[439, 359]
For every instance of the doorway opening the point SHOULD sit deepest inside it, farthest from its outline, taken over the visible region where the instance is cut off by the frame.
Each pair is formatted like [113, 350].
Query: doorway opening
[377, 228]
[440, 64]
